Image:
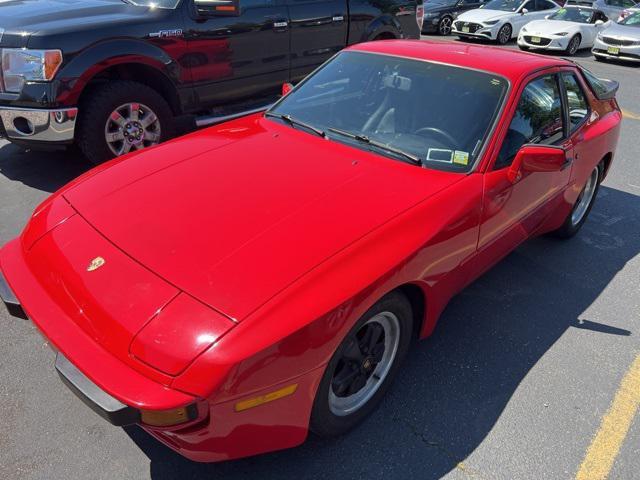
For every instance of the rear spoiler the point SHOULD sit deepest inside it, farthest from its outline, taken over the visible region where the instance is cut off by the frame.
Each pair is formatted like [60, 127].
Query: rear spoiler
[611, 89]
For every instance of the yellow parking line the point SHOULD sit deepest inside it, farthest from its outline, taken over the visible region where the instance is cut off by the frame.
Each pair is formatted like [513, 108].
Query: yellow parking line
[615, 425]
[631, 115]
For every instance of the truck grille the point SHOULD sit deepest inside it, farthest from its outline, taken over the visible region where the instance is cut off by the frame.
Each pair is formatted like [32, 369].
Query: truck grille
[473, 27]
[620, 42]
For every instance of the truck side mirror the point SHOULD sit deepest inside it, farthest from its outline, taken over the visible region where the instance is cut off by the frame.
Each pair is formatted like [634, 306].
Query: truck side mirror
[217, 8]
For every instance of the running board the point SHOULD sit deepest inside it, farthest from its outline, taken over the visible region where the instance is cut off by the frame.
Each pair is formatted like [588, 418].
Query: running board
[216, 119]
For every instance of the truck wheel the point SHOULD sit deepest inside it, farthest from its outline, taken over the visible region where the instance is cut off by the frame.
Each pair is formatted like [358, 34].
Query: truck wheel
[122, 117]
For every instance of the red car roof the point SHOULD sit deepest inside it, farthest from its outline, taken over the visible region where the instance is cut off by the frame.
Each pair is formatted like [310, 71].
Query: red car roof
[511, 64]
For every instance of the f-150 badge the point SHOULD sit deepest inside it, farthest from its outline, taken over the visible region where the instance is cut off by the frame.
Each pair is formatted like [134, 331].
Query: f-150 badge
[167, 33]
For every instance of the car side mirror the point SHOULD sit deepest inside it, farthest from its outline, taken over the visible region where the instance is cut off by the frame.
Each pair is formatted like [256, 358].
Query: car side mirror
[524, 10]
[599, 22]
[537, 158]
[546, 17]
[208, 8]
[286, 88]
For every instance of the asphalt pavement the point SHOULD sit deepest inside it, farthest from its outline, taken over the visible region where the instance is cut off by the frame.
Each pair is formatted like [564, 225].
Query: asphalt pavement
[513, 384]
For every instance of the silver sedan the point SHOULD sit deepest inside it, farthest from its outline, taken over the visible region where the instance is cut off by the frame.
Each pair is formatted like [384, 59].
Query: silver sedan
[621, 41]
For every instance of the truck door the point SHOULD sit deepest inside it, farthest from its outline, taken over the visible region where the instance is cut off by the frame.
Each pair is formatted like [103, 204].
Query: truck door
[237, 56]
[319, 29]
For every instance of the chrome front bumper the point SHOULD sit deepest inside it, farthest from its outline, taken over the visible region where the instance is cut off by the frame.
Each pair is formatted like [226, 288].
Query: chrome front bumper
[52, 126]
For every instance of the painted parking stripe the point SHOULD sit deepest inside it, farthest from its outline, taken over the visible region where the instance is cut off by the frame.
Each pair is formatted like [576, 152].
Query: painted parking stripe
[615, 425]
[631, 115]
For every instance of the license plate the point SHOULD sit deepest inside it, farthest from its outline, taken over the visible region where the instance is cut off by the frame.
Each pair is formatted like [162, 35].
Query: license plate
[465, 29]
[535, 39]
[613, 51]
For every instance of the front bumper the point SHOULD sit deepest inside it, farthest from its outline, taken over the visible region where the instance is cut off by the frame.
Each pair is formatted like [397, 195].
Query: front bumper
[616, 52]
[9, 299]
[97, 399]
[554, 43]
[106, 406]
[39, 125]
[482, 32]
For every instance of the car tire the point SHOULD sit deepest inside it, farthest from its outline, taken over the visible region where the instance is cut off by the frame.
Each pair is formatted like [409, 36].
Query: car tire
[574, 45]
[339, 404]
[444, 26]
[581, 209]
[96, 124]
[504, 34]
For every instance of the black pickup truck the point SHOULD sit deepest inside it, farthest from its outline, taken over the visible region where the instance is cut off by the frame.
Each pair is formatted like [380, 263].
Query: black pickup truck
[112, 76]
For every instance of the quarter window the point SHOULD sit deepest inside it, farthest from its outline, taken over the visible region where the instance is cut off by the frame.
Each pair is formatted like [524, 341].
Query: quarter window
[538, 119]
[576, 101]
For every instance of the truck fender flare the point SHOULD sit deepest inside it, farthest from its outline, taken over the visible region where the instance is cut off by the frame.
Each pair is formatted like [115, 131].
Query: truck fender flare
[79, 72]
[385, 24]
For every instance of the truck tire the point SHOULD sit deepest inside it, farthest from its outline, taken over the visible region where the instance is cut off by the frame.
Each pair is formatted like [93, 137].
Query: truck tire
[121, 117]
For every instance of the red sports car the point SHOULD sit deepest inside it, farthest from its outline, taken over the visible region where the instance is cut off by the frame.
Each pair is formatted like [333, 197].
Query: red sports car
[238, 287]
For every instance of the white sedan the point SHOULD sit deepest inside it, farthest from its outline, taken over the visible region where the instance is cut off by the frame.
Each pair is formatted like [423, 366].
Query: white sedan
[501, 20]
[568, 30]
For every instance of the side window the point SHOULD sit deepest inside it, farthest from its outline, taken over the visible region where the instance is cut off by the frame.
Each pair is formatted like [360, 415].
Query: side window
[576, 100]
[530, 6]
[628, 3]
[538, 119]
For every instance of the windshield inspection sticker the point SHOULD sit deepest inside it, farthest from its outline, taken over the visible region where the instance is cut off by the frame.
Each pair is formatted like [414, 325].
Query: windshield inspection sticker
[440, 155]
[460, 157]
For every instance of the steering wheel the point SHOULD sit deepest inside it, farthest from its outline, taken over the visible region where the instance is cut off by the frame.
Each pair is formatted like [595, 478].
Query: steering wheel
[443, 135]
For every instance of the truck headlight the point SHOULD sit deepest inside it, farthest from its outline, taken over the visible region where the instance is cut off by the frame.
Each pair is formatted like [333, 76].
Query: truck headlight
[22, 65]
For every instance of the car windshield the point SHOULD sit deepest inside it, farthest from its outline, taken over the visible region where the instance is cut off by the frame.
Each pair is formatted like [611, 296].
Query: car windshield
[575, 14]
[438, 114]
[504, 5]
[170, 4]
[632, 20]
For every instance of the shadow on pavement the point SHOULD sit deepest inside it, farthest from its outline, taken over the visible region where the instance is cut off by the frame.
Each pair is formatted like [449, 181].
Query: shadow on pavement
[46, 171]
[455, 385]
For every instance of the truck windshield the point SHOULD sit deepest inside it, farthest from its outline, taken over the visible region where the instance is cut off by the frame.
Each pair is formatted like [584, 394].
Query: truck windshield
[416, 111]
[171, 4]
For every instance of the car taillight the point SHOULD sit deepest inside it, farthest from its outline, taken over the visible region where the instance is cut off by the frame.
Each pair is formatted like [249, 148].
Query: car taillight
[420, 14]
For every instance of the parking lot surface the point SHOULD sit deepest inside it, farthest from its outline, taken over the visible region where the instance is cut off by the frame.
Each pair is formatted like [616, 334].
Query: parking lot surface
[514, 384]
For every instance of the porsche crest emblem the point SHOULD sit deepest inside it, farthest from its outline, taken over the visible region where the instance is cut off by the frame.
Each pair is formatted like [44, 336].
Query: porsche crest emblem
[95, 264]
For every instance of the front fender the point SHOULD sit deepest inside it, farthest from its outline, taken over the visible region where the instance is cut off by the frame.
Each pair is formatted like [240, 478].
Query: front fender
[299, 329]
[82, 68]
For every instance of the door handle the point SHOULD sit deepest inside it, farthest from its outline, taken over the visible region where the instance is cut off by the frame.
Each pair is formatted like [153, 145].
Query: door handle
[280, 24]
[337, 18]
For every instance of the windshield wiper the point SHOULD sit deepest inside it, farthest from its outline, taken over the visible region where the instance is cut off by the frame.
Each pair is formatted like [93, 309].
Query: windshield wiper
[293, 121]
[382, 146]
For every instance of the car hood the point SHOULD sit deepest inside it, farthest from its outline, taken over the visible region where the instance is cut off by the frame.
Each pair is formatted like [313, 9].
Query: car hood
[434, 7]
[483, 15]
[21, 18]
[235, 225]
[622, 31]
[549, 27]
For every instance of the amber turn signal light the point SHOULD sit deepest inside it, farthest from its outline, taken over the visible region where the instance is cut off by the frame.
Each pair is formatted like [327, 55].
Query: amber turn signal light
[269, 397]
[169, 418]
